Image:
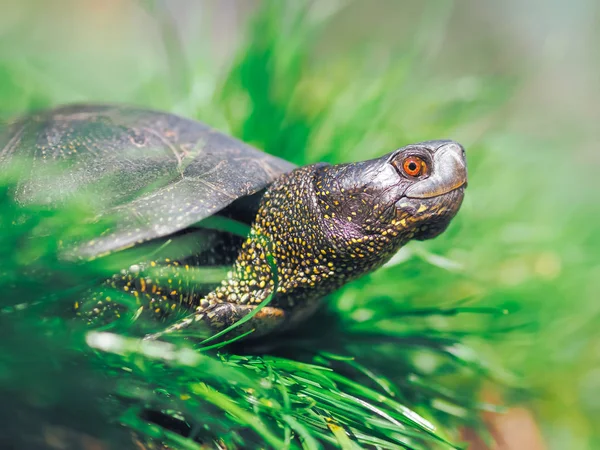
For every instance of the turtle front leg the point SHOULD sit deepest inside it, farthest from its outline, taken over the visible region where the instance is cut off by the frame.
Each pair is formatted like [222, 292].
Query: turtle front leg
[222, 315]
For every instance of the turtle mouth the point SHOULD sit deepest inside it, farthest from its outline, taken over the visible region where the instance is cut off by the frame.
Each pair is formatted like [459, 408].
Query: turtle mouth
[445, 203]
[450, 173]
[428, 217]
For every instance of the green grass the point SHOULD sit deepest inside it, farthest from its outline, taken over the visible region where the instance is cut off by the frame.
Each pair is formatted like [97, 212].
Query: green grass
[316, 395]
[506, 294]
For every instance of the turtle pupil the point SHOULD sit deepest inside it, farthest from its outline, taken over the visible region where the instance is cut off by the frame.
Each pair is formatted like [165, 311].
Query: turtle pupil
[412, 166]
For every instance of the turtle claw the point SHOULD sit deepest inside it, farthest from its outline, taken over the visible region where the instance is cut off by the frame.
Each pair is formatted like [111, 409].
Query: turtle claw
[175, 327]
[224, 315]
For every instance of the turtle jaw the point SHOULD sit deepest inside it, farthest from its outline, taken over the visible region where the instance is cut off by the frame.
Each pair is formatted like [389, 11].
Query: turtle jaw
[426, 218]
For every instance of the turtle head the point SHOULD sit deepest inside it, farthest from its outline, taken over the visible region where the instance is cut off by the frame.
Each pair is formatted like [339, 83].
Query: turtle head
[411, 193]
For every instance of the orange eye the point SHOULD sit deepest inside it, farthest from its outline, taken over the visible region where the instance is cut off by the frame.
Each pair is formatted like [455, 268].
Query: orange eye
[414, 166]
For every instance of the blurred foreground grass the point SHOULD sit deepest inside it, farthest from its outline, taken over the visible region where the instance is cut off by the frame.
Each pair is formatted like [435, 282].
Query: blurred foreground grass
[522, 243]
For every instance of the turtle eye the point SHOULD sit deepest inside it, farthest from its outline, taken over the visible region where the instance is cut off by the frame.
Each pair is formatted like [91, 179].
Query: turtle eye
[413, 166]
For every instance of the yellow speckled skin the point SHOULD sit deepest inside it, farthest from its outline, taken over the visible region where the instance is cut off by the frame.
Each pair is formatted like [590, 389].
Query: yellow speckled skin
[322, 226]
[158, 174]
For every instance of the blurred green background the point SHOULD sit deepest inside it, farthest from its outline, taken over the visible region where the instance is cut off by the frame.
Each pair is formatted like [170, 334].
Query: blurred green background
[516, 82]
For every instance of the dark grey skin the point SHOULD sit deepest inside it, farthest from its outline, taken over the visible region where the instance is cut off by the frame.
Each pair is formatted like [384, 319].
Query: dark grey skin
[321, 225]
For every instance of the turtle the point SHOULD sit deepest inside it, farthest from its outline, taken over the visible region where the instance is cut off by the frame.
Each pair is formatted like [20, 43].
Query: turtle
[308, 230]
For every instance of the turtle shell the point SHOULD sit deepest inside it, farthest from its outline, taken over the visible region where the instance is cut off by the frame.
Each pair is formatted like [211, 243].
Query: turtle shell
[153, 173]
